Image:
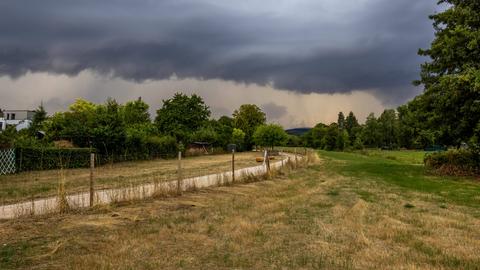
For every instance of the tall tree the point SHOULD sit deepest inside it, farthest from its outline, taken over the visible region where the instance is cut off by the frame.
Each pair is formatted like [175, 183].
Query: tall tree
[371, 135]
[247, 118]
[38, 118]
[136, 112]
[452, 76]
[352, 127]
[109, 128]
[75, 125]
[330, 140]
[238, 138]
[182, 115]
[224, 129]
[388, 128]
[270, 135]
[341, 121]
[315, 137]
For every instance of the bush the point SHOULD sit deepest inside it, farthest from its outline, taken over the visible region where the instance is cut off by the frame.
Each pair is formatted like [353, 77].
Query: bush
[29, 159]
[453, 162]
[165, 147]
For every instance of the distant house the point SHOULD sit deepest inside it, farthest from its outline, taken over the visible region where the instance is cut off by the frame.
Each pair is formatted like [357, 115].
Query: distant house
[21, 119]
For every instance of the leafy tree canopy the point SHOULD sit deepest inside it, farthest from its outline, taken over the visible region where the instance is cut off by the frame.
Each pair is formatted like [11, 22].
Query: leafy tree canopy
[182, 115]
[270, 135]
[136, 112]
[452, 76]
[247, 118]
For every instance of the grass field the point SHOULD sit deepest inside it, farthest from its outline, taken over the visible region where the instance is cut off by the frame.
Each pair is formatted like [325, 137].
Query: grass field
[409, 157]
[23, 186]
[349, 211]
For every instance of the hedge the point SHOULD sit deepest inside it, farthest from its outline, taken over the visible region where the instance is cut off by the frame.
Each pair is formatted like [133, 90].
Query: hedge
[453, 162]
[29, 159]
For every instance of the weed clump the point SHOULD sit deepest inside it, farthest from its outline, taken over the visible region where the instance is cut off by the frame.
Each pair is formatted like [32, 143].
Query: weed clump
[409, 205]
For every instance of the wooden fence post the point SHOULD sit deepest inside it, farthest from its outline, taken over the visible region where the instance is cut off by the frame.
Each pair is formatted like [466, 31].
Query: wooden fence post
[268, 162]
[296, 159]
[179, 180]
[92, 167]
[233, 165]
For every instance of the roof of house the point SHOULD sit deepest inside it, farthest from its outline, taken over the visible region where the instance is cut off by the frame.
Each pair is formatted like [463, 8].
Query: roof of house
[18, 111]
[201, 143]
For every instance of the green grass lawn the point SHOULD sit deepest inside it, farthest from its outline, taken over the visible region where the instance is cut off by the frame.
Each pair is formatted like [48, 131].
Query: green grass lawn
[402, 169]
[405, 156]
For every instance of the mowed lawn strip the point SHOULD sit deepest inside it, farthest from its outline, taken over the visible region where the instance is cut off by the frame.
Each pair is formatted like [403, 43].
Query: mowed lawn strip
[405, 173]
[37, 184]
[315, 218]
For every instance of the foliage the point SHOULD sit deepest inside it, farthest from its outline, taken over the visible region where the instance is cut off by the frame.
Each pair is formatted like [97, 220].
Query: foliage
[358, 144]
[342, 141]
[28, 159]
[315, 137]
[341, 121]
[352, 127]
[164, 147]
[388, 128]
[238, 138]
[182, 115]
[451, 100]
[26, 141]
[109, 133]
[371, 135]
[223, 127]
[205, 134]
[247, 118]
[294, 141]
[75, 125]
[7, 137]
[38, 118]
[135, 113]
[453, 162]
[270, 135]
[329, 141]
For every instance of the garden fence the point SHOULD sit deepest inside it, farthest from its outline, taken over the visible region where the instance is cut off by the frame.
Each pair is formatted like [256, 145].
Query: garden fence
[7, 161]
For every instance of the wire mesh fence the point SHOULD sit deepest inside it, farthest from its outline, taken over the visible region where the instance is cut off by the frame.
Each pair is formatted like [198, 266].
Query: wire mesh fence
[98, 179]
[66, 186]
[7, 161]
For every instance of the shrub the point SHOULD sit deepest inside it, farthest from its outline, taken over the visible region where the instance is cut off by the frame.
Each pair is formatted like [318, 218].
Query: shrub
[453, 162]
[165, 146]
[28, 159]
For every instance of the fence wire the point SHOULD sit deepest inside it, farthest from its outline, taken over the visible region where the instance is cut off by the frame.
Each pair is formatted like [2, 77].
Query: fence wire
[7, 161]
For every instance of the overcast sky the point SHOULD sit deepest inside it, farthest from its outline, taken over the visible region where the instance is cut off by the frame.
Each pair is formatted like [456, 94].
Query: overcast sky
[301, 60]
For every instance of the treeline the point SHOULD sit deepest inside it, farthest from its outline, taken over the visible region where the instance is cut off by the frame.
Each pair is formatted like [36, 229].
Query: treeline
[393, 129]
[127, 131]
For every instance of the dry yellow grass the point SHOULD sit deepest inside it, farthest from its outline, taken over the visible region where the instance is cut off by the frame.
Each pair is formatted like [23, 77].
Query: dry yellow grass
[312, 219]
[23, 186]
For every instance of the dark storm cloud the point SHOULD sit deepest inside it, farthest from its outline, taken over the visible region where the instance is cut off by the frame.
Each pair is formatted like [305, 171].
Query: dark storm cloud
[306, 45]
